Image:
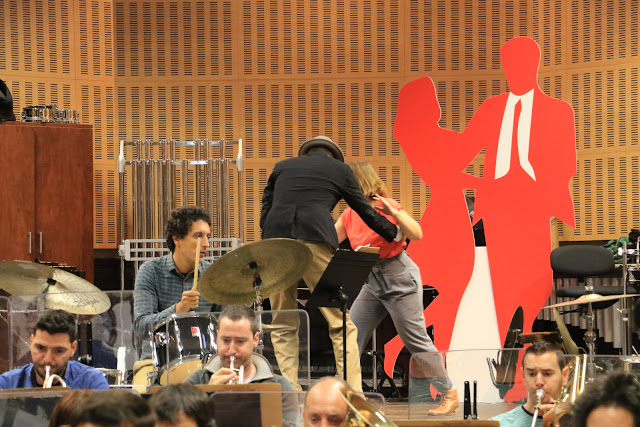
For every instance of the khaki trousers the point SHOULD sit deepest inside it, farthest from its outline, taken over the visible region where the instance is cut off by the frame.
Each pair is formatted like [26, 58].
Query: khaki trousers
[286, 342]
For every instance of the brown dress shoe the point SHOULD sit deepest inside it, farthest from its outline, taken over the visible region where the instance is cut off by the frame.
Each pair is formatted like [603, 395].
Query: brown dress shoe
[448, 404]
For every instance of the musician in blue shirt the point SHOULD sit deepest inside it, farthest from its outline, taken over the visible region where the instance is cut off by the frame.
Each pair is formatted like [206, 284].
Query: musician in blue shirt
[53, 343]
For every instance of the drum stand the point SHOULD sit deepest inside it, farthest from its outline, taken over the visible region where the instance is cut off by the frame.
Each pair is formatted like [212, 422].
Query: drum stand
[590, 341]
[257, 304]
[627, 307]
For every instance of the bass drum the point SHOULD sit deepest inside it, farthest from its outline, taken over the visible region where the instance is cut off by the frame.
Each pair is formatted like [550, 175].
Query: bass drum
[180, 344]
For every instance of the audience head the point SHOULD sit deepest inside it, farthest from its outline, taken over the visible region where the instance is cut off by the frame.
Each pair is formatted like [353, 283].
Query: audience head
[181, 405]
[612, 400]
[237, 335]
[113, 408]
[370, 182]
[62, 413]
[53, 343]
[324, 404]
[184, 227]
[544, 367]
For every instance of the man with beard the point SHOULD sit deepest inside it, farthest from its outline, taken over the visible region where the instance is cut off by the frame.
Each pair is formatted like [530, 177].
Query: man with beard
[53, 343]
[237, 336]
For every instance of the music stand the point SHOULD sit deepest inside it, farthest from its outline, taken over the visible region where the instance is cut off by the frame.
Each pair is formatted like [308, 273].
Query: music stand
[339, 286]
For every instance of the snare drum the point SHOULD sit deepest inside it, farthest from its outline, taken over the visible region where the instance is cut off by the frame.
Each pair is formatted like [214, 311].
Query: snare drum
[179, 344]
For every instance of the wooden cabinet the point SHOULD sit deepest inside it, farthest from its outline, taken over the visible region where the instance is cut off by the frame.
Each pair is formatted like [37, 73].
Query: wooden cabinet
[46, 193]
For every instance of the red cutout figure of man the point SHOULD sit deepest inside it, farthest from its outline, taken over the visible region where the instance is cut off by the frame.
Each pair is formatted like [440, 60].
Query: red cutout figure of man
[530, 158]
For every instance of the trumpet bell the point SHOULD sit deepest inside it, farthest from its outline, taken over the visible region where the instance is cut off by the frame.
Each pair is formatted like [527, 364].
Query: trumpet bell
[362, 413]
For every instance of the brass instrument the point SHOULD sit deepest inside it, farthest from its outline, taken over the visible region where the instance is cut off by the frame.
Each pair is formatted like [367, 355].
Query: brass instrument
[539, 397]
[48, 378]
[362, 413]
[238, 371]
[562, 413]
[577, 378]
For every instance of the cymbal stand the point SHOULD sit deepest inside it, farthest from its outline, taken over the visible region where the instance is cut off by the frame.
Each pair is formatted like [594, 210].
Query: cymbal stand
[257, 304]
[590, 340]
[627, 307]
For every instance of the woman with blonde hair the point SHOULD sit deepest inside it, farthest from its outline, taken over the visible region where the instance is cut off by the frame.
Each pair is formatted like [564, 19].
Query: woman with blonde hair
[394, 285]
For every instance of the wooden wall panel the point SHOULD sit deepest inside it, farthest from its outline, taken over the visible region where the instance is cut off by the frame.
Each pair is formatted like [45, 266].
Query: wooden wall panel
[357, 114]
[275, 72]
[174, 111]
[307, 37]
[173, 38]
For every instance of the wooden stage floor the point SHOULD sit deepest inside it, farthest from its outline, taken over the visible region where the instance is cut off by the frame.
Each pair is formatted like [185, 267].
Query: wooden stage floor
[399, 410]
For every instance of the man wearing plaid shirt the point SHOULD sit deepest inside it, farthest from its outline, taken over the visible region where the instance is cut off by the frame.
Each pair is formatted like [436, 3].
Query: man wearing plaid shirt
[163, 285]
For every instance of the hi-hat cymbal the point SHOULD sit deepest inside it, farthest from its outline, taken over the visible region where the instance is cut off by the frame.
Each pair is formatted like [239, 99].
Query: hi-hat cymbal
[590, 298]
[59, 289]
[280, 263]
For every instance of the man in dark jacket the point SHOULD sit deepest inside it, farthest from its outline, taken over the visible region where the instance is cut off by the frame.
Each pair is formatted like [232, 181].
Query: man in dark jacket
[297, 204]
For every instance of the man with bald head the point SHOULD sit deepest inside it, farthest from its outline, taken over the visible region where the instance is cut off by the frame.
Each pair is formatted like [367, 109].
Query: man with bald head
[324, 404]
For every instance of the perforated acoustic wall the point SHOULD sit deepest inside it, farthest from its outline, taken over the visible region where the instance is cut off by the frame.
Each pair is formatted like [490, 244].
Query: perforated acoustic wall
[276, 72]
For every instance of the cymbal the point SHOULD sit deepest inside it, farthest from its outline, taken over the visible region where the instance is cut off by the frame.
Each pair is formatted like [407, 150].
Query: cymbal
[60, 289]
[590, 298]
[279, 262]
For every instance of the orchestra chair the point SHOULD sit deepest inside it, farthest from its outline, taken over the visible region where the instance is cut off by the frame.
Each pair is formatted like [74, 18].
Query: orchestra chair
[584, 262]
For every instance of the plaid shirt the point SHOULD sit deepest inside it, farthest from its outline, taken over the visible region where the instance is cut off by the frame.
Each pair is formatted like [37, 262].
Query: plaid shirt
[159, 286]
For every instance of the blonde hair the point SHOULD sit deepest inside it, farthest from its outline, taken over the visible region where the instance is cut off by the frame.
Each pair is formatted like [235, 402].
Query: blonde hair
[370, 182]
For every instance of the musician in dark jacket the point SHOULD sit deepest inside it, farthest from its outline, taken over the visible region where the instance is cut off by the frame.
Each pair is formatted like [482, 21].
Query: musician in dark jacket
[297, 204]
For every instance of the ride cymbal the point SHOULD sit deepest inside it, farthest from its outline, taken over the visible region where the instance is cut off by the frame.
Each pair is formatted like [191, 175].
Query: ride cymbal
[590, 298]
[279, 263]
[59, 289]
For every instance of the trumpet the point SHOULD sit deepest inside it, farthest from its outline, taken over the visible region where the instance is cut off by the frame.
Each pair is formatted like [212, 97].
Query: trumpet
[238, 371]
[48, 378]
[539, 396]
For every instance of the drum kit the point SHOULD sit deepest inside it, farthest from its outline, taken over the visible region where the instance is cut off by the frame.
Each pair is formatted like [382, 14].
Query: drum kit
[503, 371]
[184, 342]
[586, 302]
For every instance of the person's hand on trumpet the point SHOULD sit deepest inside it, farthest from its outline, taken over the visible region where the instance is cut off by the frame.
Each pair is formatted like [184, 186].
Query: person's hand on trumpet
[223, 376]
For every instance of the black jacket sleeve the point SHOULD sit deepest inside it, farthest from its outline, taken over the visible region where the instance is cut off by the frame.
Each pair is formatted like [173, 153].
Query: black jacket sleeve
[352, 194]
